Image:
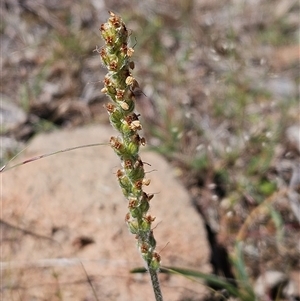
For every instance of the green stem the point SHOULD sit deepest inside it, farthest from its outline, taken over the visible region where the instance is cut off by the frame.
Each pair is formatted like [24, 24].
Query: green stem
[155, 284]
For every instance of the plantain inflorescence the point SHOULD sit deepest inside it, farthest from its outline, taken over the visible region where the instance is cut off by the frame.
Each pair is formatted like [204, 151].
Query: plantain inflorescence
[119, 85]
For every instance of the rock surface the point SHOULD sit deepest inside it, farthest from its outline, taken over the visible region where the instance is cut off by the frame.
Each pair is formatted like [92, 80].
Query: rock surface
[293, 136]
[63, 219]
[10, 114]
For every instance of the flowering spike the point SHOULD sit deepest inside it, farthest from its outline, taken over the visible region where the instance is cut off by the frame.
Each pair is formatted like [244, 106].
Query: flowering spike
[119, 85]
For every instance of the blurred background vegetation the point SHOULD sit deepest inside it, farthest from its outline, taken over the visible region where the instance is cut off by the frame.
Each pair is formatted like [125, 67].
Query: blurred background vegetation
[218, 98]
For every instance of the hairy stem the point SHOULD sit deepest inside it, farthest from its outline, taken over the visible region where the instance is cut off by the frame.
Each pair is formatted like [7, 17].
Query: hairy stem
[155, 285]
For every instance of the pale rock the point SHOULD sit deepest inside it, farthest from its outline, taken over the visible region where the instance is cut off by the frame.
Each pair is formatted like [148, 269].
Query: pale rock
[10, 114]
[51, 205]
[293, 136]
[274, 280]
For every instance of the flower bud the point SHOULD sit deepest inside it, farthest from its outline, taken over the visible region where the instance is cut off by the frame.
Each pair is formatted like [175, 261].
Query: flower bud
[133, 226]
[144, 206]
[155, 261]
[132, 149]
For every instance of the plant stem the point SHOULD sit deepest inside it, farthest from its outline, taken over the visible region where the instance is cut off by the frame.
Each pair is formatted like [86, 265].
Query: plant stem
[155, 284]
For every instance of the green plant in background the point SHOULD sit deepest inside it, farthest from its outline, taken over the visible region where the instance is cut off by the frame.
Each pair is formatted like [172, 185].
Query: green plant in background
[245, 291]
[119, 85]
